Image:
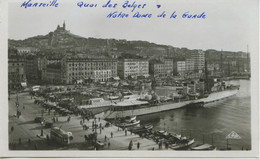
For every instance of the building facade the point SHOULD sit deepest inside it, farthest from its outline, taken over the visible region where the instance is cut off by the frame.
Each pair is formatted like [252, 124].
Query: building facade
[53, 73]
[31, 68]
[161, 69]
[189, 65]
[199, 60]
[133, 68]
[16, 72]
[74, 69]
[181, 67]
[101, 75]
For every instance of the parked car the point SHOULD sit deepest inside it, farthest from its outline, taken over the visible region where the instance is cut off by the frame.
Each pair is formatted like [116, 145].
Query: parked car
[39, 119]
[48, 125]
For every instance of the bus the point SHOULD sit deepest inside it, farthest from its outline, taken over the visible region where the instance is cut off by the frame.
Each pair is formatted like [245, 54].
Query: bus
[60, 136]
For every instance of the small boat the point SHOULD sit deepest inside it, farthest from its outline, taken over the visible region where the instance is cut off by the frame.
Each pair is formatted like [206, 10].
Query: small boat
[139, 129]
[182, 146]
[193, 94]
[148, 127]
[129, 124]
[204, 147]
[129, 119]
[163, 133]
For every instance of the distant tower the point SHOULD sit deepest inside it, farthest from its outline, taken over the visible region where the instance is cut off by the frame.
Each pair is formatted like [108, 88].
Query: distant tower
[64, 25]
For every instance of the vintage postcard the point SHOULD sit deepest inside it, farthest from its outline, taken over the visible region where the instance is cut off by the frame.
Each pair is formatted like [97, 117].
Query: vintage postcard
[129, 78]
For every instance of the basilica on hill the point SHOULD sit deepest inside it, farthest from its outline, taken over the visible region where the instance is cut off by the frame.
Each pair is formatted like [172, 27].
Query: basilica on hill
[62, 29]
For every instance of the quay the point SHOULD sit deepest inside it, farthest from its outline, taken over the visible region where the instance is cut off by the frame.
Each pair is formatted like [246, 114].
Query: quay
[26, 133]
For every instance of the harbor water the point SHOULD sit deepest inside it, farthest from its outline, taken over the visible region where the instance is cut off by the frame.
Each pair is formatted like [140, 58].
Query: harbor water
[212, 123]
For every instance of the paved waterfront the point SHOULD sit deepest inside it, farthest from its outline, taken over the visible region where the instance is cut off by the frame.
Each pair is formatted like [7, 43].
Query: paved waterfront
[25, 128]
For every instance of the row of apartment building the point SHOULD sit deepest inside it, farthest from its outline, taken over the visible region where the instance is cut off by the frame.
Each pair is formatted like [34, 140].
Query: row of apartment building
[69, 70]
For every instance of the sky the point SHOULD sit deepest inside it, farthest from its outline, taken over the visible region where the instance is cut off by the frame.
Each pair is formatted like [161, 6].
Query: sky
[230, 25]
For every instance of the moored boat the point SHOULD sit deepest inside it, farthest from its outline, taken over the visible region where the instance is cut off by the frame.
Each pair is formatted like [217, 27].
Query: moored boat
[129, 124]
[183, 145]
[128, 119]
[204, 147]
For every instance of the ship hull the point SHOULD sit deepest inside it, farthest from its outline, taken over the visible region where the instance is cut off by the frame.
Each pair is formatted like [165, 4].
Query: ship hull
[213, 97]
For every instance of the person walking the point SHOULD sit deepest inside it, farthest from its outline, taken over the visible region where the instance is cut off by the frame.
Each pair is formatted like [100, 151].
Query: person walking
[108, 145]
[12, 129]
[166, 145]
[41, 132]
[130, 145]
[47, 137]
[35, 147]
[111, 134]
[85, 137]
[138, 145]
[125, 132]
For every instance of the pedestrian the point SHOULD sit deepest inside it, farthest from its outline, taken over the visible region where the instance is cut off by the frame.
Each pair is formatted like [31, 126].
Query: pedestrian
[153, 149]
[111, 134]
[130, 145]
[105, 138]
[166, 145]
[99, 119]
[41, 132]
[14, 146]
[20, 141]
[138, 145]
[108, 145]
[12, 129]
[80, 122]
[125, 132]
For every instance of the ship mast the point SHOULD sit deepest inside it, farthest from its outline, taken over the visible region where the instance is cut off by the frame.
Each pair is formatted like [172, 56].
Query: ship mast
[206, 77]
